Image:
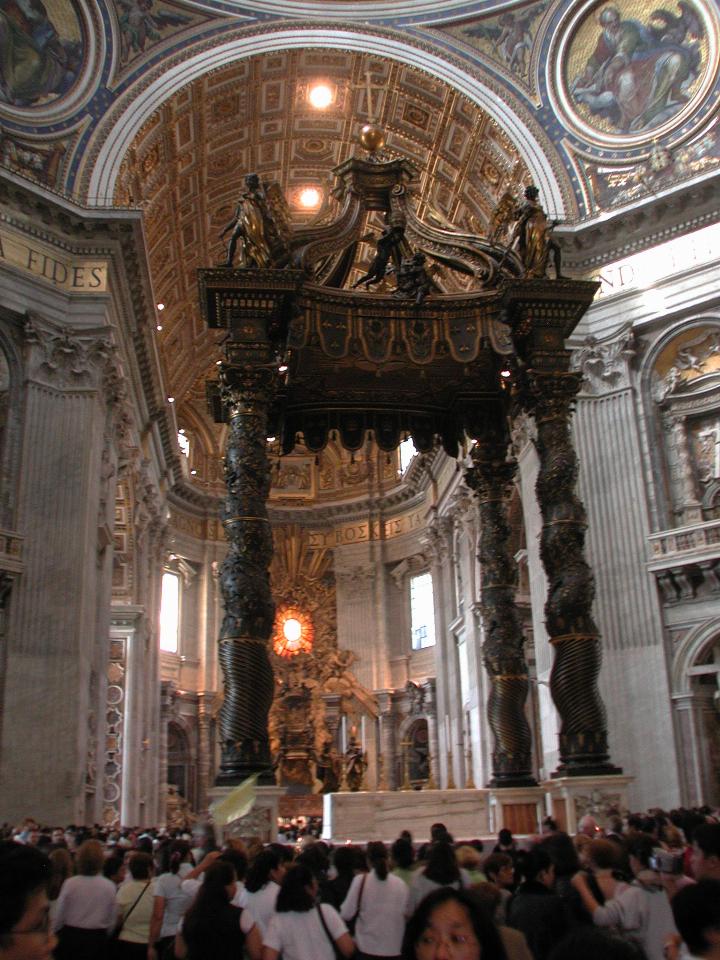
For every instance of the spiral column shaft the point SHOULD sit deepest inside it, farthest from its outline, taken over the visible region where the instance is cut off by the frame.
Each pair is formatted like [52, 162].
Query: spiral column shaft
[491, 477]
[244, 578]
[570, 625]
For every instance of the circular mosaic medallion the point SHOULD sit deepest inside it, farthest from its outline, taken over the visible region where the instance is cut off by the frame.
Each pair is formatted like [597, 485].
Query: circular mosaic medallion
[48, 52]
[628, 72]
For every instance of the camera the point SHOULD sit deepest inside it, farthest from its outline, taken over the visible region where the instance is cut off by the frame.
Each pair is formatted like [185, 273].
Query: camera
[665, 862]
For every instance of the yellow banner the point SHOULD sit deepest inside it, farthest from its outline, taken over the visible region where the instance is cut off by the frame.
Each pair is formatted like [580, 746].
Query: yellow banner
[74, 274]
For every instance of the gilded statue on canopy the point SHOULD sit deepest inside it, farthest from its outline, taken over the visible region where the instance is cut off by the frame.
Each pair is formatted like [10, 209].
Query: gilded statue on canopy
[256, 235]
[532, 235]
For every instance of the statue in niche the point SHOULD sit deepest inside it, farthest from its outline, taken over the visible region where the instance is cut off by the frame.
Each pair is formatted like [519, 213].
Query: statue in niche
[177, 809]
[419, 758]
[254, 229]
[533, 237]
[327, 770]
[355, 765]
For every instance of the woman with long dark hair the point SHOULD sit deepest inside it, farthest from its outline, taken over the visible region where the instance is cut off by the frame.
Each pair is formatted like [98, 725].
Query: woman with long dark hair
[302, 929]
[451, 922]
[213, 928]
[262, 886]
[170, 902]
[441, 870]
[378, 901]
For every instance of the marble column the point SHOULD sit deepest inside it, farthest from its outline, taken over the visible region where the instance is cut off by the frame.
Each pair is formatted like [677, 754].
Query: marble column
[205, 749]
[491, 476]
[246, 392]
[571, 628]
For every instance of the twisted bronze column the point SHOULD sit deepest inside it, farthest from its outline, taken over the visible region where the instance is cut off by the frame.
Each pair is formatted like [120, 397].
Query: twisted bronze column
[571, 628]
[244, 578]
[491, 477]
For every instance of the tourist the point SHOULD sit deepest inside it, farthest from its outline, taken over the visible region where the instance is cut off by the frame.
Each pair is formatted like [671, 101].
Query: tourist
[470, 860]
[86, 908]
[135, 909]
[25, 931]
[640, 909]
[441, 871]
[536, 909]
[499, 870]
[696, 909]
[706, 852]
[262, 886]
[214, 928]
[61, 868]
[170, 901]
[403, 857]
[302, 930]
[377, 901]
[347, 860]
[449, 923]
[593, 943]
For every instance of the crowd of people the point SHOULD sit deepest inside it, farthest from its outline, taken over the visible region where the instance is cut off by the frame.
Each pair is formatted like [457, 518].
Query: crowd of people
[645, 887]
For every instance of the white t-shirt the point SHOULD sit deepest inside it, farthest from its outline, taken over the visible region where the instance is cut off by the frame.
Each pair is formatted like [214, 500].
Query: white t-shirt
[380, 924]
[86, 902]
[300, 935]
[261, 904]
[169, 886]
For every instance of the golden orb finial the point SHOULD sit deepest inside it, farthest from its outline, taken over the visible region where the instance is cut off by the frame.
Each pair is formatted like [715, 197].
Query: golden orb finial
[372, 137]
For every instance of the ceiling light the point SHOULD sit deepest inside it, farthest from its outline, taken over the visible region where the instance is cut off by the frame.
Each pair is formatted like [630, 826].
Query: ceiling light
[310, 197]
[159, 327]
[161, 306]
[320, 96]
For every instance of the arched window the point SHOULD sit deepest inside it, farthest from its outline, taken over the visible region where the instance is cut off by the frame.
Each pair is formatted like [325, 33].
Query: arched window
[422, 611]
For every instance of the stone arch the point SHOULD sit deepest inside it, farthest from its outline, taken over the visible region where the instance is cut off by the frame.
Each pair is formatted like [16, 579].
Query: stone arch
[680, 383]
[114, 135]
[695, 677]
[693, 648]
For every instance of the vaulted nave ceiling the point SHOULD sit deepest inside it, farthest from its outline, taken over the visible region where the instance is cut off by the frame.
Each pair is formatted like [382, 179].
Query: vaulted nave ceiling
[185, 169]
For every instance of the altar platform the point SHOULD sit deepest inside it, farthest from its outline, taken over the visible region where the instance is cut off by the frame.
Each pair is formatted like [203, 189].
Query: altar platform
[470, 814]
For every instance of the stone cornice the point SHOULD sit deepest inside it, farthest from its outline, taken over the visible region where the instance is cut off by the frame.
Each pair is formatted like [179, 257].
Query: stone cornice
[118, 235]
[654, 220]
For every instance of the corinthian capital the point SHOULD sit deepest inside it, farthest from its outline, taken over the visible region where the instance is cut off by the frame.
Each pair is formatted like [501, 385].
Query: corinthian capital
[65, 358]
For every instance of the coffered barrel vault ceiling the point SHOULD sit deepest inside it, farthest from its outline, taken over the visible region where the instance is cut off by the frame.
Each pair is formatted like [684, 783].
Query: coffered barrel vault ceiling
[186, 167]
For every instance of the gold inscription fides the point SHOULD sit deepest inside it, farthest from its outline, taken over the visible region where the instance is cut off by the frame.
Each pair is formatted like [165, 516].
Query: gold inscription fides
[74, 274]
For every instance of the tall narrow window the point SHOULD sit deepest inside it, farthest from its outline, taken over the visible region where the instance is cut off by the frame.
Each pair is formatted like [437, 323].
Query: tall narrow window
[170, 612]
[422, 612]
[407, 453]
